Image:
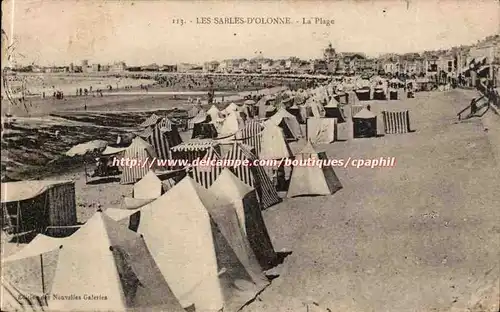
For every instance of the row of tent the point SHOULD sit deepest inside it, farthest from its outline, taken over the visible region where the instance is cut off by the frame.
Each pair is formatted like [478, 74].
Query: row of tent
[191, 247]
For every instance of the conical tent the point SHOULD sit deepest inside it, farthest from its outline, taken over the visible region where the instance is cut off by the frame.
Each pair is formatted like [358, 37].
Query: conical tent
[115, 271]
[116, 268]
[148, 187]
[197, 243]
[214, 113]
[287, 122]
[245, 202]
[195, 110]
[231, 124]
[231, 108]
[312, 180]
[274, 145]
[140, 152]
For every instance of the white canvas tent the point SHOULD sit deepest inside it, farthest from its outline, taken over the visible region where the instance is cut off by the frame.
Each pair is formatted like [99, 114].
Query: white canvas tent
[231, 124]
[273, 143]
[321, 130]
[243, 198]
[115, 268]
[287, 122]
[214, 113]
[312, 180]
[199, 247]
[149, 187]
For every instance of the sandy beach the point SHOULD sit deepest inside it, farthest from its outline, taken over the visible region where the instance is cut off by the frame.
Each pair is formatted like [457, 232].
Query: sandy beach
[421, 236]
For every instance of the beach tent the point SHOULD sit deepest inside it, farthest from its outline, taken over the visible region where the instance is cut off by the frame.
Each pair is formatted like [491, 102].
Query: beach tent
[195, 110]
[263, 104]
[363, 93]
[247, 110]
[150, 121]
[14, 299]
[204, 174]
[295, 111]
[244, 200]
[312, 180]
[254, 176]
[196, 240]
[193, 149]
[140, 151]
[321, 130]
[30, 271]
[198, 118]
[148, 187]
[333, 110]
[204, 130]
[315, 108]
[104, 259]
[164, 135]
[231, 108]
[115, 271]
[364, 124]
[231, 124]
[356, 109]
[251, 135]
[32, 206]
[214, 113]
[270, 111]
[287, 122]
[274, 145]
[379, 93]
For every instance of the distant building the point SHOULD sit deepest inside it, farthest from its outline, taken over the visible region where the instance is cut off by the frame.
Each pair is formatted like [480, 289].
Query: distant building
[151, 67]
[319, 66]
[118, 67]
[96, 68]
[168, 68]
[186, 67]
[210, 67]
[329, 54]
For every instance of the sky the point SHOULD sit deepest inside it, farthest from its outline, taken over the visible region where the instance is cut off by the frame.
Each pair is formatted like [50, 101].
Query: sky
[58, 32]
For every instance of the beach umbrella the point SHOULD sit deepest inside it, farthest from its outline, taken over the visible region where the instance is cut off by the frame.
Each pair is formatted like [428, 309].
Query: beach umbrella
[90, 147]
[87, 149]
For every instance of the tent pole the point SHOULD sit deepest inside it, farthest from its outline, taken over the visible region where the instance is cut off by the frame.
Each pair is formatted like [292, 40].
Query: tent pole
[43, 278]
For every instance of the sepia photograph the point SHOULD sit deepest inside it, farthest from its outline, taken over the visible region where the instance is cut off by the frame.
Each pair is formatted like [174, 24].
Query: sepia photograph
[254, 156]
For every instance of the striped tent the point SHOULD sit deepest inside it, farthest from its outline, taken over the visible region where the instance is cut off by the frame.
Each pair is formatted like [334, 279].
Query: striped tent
[164, 136]
[151, 121]
[396, 122]
[254, 176]
[145, 133]
[206, 175]
[251, 135]
[193, 149]
[143, 153]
